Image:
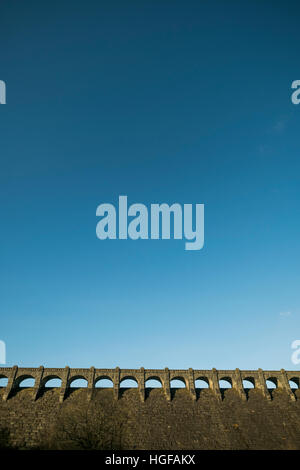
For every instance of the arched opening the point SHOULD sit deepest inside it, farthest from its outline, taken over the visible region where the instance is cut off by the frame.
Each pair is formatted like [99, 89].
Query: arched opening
[52, 382]
[201, 385]
[103, 382]
[271, 383]
[3, 382]
[248, 383]
[201, 382]
[128, 382]
[294, 383]
[177, 382]
[25, 382]
[225, 383]
[78, 382]
[153, 382]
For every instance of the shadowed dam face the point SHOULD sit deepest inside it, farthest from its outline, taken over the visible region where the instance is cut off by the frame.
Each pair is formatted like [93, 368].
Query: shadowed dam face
[214, 409]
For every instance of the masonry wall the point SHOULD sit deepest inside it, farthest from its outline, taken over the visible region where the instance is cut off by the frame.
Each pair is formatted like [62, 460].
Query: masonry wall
[157, 423]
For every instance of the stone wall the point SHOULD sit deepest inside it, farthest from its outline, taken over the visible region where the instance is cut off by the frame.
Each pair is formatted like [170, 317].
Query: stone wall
[186, 418]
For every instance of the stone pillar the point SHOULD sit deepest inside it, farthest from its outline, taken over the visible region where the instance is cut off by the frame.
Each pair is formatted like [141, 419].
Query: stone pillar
[64, 384]
[91, 383]
[214, 383]
[167, 388]
[191, 383]
[11, 383]
[117, 383]
[238, 384]
[261, 384]
[38, 382]
[284, 384]
[142, 383]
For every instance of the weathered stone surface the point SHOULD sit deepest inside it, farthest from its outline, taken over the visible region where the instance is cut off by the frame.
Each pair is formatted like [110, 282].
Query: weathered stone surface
[159, 418]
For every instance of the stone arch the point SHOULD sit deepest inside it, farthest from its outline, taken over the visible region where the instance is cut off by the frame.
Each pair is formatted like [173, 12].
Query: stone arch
[3, 381]
[103, 381]
[180, 382]
[271, 383]
[130, 378]
[19, 381]
[50, 378]
[82, 384]
[153, 381]
[201, 382]
[225, 382]
[248, 382]
[102, 377]
[294, 383]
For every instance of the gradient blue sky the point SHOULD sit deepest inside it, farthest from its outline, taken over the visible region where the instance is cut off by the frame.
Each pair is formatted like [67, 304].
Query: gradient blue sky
[164, 101]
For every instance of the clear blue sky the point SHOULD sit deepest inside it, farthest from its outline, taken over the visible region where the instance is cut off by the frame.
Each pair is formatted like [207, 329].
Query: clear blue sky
[163, 101]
